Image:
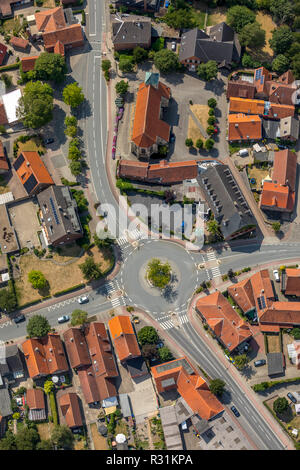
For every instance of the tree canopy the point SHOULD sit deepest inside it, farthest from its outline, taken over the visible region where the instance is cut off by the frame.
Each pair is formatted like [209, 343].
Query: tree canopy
[159, 274]
[62, 437]
[165, 354]
[253, 36]
[72, 95]
[280, 405]
[239, 16]
[208, 71]
[281, 40]
[280, 64]
[217, 386]
[126, 63]
[90, 270]
[27, 439]
[181, 18]
[37, 279]
[79, 317]
[8, 300]
[139, 54]
[148, 335]
[50, 66]
[282, 11]
[241, 361]
[38, 326]
[36, 105]
[122, 87]
[166, 61]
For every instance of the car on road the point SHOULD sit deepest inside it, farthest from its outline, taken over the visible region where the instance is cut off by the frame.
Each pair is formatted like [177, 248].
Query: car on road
[63, 319]
[260, 362]
[83, 299]
[19, 318]
[291, 397]
[173, 46]
[235, 411]
[49, 141]
[276, 275]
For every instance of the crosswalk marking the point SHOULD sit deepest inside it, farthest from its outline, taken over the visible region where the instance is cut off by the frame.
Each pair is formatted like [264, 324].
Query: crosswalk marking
[3, 325]
[122, 241]
[63, 303]
[167, 325]
[211, 255]
[216, 271]
[119, 301]
[183, 319]
[135, 235]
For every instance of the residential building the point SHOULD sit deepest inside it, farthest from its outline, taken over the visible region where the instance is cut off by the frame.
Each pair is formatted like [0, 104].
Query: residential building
[290, 282]
[279, 195]
[223, 321]
[243, 127]
[59, 216]
[123, 337]
[221, 44]
[35, 400]
[139, 5]
[261, 108]
[8, 107]
[8, 238]
[240, 89]
[7, 6]
[161, 173]
[19, 43]
[149, 130]
[32, 172]
[76, 347]
[226, 201]
[11, 366]
[280, 314]
[28, 63]
[180, 375]
[294, 354]
[131, 31]
[4, 166]
[289, 129]
[280, 91]
[45, 356]
[3, 50]
[69, 405]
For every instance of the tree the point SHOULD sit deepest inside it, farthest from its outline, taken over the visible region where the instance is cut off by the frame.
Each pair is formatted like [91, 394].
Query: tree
[90, 270]
[72, 95]
[37, 279]
[238, 16]
[7, 79]
[280, 64]
[276, 226]
[149, 351]
[75, 168]
[139, 54]
[199, 144]
[148, 335]
[165, 354]
[106, 65]
[36, 105]
[50, 66]
[181, 18]
[79, 317]
[8, 300]
[208, 71]
[280, 405]
[296, 66]
[27, 439]
[158, 273]
[38, 326]
[210, 130]
[209, 143]
[241, 361]
[189, 142]
[295, 333]
[122, 87]
[70, 121]
[212, 103]
[211, 120]
[74, 153]
[8, 442]
[282, 11]
[62, 437]
[281, 40]
[45, 444]
[253, 36]
[103, 242]
[166, 61]
[217, 386]
[126, 64]
[71, 131]
[213, 227]
[48, 386]
[230, 273]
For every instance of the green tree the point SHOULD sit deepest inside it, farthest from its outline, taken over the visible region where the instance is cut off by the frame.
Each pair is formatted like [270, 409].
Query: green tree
[217, 386]
[8, 301]
[122, 87]
[62, 437]
[159, 274]
[165, 354]
[27, 439]
[280, 64]
[90, 270]
[276, 226]
[213, 227]
[199, 144]
[106, 65]
[210, 130]
[71, 131]
[209, 143]
[139, 54]
[50, 66]
[72, 95]
[70, 121]
[212, 103]
[282, 11]
[189, 143]
[211, 120]
[36, 105]
[253, 36]
[103, 242]
[296, 66]
[74, 153]
[48, 386]
[37, 279]
[75, 168]
[148, 335]
[208, 71]
[295, 333]
[45, 444]
[8, 442]
[79, 317]
[38, 326]
[166, 61]
[241, 361]
[280, 405]
[239, 16]
[179, 19]
[126, 64]
[281, 40]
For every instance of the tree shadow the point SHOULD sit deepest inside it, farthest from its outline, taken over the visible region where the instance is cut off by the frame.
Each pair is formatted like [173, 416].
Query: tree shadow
[45, 291]
[248, 372]
[286, 416]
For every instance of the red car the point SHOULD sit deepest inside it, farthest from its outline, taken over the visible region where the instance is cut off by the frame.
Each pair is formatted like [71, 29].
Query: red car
[216, 130]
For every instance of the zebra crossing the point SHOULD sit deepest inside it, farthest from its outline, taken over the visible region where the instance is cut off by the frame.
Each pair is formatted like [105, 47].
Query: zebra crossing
[211, 256]
[215, 271]
[110, 287]
[122, 241]
[183, 318]
[135, 235]
[165, 322]
[118, 302]
[3, 325]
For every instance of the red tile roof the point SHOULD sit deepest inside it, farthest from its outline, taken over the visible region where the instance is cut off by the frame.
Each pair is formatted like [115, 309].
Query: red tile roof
[223, 320]
[287, 78]
[292, 286]
[285, 168]
[124, 339]
[262, 77]
[71, 35]
[192, 387]
[240, 89]
[3, 117]
[281, 94]
[132, 169]
[239, 105]
[276, 196]
[280, 111]
[147, 125]
[32, 165]
[3, 50]
[28, 63]
[284, 314]
[69, 405]
[59, 48]
[3, 160]
[50, 20]
[269, 328]
[242, 127]
[35, 399]
[76, 347]
[19, 42]
[162, 172]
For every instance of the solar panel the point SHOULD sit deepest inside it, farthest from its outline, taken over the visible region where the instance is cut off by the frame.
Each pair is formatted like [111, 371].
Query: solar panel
[257, 74]
[263, 302]
[54, 211]
[262, 79]
[18, 162]
[30, 184]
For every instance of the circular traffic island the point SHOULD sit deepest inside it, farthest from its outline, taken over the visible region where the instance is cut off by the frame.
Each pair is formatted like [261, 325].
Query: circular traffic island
[158, 274]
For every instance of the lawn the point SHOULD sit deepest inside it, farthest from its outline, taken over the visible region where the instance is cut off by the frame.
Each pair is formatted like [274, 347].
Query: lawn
[273, 343]
[217, 16]
[121, 427]
[200, 111]
[100, 442]
[44, 430]
[32, 145]
[259, 174]
[268, 25]
[194, 132]
[59, 277]
[12, 25]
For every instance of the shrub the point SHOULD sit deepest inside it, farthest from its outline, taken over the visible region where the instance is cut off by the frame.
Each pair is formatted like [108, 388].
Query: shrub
[212, 103]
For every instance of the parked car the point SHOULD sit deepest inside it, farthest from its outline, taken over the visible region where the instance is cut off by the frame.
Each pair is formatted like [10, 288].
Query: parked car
[63, 319]
[235, 411]
[291, 397]
[19, 318]
[173, 46]
[276, 275]
[49, 141]
[83, 299]
[259, 363]
[243, 153]
[216, 130]
[172, 138]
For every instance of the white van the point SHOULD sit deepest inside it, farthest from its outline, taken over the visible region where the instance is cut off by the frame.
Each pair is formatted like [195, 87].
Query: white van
[243, 153]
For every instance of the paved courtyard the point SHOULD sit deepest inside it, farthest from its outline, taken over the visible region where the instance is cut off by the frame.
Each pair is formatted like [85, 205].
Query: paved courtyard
[20, 214]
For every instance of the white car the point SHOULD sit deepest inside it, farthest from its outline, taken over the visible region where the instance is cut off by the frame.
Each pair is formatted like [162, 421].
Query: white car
[173, 46]
[63, 319]
[83, 299]
[276, 275]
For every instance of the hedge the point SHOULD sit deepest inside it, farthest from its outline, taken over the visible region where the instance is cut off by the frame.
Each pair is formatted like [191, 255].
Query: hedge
[10, 67]
[70, 289]
[272, 383]
[53, 407]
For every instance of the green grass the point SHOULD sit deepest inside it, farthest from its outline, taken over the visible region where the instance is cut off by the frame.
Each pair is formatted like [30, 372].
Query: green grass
[53, 407]
[199, 17]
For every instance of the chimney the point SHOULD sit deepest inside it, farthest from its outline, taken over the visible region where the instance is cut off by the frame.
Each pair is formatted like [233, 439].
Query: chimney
[236, 125]
[71, 339]
[36, 349]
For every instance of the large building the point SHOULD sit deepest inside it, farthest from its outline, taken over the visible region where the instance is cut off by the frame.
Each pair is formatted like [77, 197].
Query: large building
[149, 130]
[262, 108]
[290, 282]
[7, 6]
[131, 31]
[59, 215]
[123, 337]
[280, 91]
[243, 127]
[32, 172]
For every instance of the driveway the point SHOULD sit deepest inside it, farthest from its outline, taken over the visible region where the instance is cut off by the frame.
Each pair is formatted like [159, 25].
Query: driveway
[143, 399]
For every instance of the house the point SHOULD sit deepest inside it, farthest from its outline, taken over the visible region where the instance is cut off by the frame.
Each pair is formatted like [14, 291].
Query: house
[70, 409]
[131, 31]
[3, 50]
[59, 215]
[35, 400]
[280, 91]
[4, 166]
[149, 130]
[279, 195]
[226, 201]
[262, 108]
[19, 43]
[289, 128]
[76, 347]
[180, 375]
[221, 44]
[44, 356]
[280, 314]
[5, 402]
[290, 282]
[7, 6]
[11, 366]
[8, 107]
[294, 354]
[231, 331]
[275, 363]
[28, 63]
[159, 173]
[242, 127]
[240, 89]
[140, 5]
[123, 337]
[8, 238]
[32, 172]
